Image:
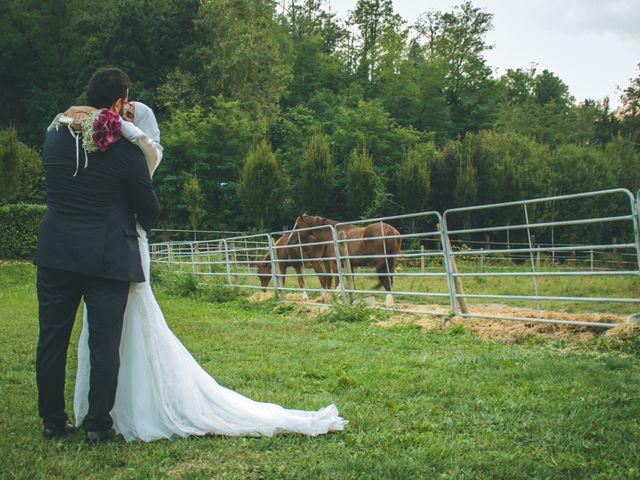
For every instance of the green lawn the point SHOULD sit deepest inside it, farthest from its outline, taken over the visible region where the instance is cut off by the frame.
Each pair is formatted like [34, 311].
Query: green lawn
[437, 404]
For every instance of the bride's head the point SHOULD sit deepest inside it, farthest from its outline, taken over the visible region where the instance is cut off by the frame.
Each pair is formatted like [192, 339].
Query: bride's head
[142, 116]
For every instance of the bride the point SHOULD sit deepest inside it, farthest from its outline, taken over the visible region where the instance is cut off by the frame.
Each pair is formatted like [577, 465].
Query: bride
[162, 390]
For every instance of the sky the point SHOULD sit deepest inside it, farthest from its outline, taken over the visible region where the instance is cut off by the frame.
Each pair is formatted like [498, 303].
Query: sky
[592, 45]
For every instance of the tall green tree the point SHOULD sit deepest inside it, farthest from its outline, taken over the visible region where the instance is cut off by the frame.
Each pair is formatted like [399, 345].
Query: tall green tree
[412, 89]
[630, 110]
[238, 53]
[194, 200]
[414, 180]
[623, 157]
[372, 18]
[362, 184]
[315, 36]
[213, 143]
[261, 186]
[317, 178]
[457, 38]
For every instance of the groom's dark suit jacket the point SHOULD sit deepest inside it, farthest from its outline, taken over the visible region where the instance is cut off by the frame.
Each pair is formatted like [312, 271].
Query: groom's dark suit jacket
[89, 225]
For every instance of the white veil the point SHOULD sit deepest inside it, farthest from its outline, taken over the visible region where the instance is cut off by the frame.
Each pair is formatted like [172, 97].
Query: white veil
[145, 120]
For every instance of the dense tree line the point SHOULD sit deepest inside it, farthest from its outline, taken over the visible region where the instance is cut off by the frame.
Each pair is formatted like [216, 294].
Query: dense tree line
[269, 109]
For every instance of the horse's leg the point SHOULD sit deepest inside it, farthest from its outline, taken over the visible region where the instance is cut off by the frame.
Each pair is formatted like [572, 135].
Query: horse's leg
[283, 278]
[317, 267]
[386, 279]
[301, 283]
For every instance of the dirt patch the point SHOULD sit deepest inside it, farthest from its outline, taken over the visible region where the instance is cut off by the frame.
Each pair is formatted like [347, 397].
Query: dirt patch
[512, 331]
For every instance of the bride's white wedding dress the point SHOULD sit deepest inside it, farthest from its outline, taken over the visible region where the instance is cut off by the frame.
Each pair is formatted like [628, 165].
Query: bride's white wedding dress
[163, 391]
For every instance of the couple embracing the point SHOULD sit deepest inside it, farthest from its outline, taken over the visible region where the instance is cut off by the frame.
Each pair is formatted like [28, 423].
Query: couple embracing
[134, 377]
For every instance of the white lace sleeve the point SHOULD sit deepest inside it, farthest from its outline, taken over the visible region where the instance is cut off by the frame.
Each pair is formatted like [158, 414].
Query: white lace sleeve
[152, 150]
[58, 121]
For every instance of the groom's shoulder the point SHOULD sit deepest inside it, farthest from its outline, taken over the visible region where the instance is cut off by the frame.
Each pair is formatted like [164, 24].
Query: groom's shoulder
[125, 150]
[57, 138]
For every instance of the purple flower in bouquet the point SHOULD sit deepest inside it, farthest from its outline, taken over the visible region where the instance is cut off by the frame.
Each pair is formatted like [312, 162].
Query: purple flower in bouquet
[107, 129]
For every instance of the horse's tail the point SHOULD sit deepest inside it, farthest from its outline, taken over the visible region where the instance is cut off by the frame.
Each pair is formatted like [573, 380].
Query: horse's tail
[393, 246]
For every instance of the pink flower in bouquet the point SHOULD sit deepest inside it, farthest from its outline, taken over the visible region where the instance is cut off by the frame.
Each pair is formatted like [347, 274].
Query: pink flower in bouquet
[107, 129]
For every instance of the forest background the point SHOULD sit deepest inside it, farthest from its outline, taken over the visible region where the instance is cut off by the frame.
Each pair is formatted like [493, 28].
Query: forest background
[269, 109]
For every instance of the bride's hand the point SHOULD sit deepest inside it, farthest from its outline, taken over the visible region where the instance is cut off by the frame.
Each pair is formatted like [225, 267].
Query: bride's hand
[71, 111]
[79, 113]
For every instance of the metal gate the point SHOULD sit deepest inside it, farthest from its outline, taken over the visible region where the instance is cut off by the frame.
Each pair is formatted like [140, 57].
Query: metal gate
[525, 255]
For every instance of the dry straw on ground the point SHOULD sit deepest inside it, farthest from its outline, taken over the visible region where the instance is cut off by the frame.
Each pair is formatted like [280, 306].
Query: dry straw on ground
[516, 330]
[509, 331]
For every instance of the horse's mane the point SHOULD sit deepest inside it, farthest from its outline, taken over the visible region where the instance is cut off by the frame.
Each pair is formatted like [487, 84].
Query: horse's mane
[318, 220]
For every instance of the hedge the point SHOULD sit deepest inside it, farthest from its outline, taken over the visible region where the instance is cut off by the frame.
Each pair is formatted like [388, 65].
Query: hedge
[19, 225]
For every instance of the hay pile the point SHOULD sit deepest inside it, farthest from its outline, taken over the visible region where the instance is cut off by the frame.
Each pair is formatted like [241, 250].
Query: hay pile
[512, 331]
[509, 331]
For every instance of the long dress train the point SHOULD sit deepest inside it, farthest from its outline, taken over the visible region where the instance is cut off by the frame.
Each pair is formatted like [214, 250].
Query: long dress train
[164, 392]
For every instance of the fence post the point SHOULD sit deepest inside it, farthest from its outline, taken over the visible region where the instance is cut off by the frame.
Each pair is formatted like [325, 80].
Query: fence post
[344, 254]
[193, 257]
[591, 259]
[448, 265]
[421, 258]
[338, 260]
[635, 207]
[275, 268]
[532, 242]
[226, 261]
[170, 253]
[234, 266]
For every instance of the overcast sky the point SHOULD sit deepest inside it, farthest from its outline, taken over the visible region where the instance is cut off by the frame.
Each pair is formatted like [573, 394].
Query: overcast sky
[592, 45]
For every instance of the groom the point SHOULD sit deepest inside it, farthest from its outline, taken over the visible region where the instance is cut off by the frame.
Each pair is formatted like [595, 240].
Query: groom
[88, 248]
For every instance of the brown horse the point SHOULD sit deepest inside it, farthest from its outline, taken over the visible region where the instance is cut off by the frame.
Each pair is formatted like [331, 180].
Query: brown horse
[380, 252]
[292, 253]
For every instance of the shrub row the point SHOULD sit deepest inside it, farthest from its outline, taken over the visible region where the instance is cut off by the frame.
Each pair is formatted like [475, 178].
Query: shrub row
[19, 224]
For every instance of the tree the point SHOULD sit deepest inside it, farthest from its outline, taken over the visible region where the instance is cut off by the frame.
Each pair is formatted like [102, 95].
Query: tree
[317, 176]
[412, 90]
[20, 169]
[624, 159]
[370, 124]
[372, 17]
[465, 191]
[414, 179]
[261, 185]
[238, 54]
[213, 143]
[549, 88]
[362, 184]
[457, 39]
[630, 110]
[194, 200]
[315, 36]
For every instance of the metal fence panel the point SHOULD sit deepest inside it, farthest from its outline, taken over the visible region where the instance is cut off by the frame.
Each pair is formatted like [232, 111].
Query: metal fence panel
[540, 256]
[490, 250]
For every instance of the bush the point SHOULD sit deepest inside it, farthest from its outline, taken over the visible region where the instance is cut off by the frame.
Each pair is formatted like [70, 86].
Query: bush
[19, 225]
[217, 292]
[182, 284]
[356, 312]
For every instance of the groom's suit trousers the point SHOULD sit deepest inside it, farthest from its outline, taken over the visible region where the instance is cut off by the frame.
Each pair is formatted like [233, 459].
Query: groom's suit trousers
[59, 294]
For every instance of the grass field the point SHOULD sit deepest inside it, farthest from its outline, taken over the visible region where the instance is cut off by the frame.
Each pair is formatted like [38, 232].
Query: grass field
[421, 404]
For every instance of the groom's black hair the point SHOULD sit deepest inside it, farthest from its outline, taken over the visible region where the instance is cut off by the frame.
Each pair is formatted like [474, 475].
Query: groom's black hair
[106, 86]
